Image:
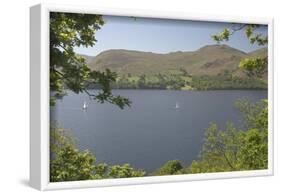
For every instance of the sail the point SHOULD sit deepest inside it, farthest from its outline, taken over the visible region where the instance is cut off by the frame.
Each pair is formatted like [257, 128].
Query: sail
[85, 105]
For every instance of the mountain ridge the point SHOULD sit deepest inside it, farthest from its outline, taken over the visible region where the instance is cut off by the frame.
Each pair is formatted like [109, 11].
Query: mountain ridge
[207, 60]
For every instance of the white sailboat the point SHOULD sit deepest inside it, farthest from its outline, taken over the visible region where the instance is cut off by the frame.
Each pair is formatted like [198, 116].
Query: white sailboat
[177, 105]
[85, 105]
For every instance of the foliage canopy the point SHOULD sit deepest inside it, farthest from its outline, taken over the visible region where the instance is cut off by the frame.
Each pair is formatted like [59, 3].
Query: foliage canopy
[67, 69]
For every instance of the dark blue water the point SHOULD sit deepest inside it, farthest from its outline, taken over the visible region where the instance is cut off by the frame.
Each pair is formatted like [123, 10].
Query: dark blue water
[152, 131]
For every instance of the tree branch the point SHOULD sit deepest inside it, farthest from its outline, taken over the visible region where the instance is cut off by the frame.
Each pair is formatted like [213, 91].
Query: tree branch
[73, 58]
[237, 29]
[67, 79]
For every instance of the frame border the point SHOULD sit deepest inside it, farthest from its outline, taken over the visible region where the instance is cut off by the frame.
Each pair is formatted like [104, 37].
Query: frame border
[39, 96]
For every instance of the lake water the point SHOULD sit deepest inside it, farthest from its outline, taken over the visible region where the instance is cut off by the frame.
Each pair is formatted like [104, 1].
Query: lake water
[152, 131]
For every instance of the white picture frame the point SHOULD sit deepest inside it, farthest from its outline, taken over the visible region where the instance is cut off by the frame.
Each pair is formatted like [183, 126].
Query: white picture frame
[39, 97]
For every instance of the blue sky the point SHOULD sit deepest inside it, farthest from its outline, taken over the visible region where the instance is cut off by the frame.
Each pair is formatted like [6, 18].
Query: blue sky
[161, 35]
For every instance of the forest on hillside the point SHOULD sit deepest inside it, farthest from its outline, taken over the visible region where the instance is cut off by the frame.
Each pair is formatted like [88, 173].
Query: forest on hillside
[183, 81]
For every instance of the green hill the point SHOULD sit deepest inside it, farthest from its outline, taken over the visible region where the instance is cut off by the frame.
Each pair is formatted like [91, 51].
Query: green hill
[210, 67]
[208, 60]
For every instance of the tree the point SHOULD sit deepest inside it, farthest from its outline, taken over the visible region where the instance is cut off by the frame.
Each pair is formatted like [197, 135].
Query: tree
[253, 153]
[67, 69]
[254, 114]
[169, 168]
[103, 170]
[67, 162]
[232, 149]
[142, 81]
[255, 66]
[220, 148]
[124, 171]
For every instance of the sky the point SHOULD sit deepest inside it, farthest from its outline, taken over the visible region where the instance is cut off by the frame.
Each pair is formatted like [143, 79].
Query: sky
[162, 35]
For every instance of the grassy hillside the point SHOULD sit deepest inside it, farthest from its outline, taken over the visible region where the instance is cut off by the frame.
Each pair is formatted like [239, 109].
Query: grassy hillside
[208, 60]
[210, 67]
